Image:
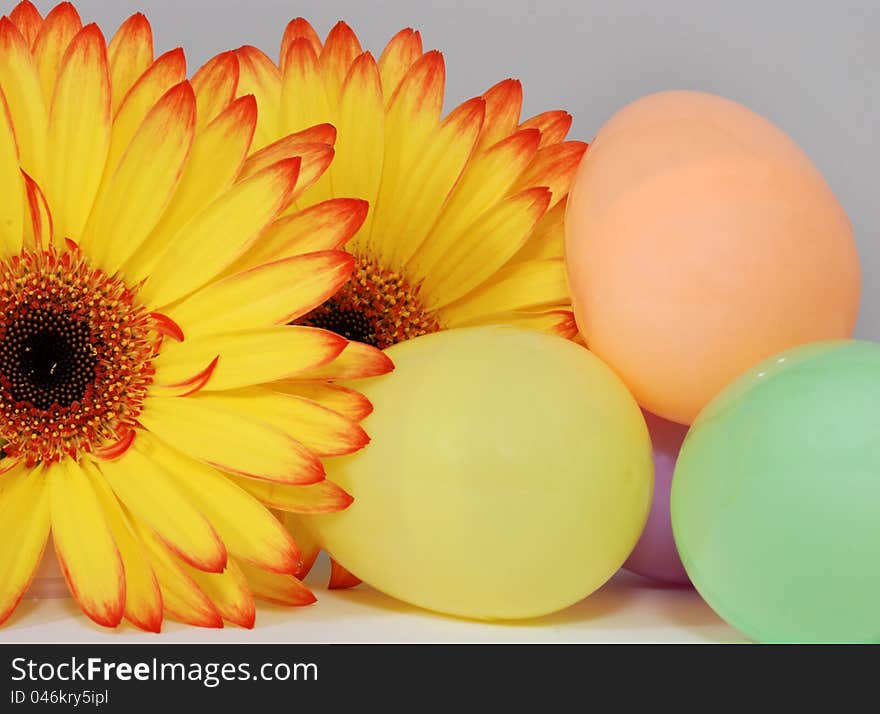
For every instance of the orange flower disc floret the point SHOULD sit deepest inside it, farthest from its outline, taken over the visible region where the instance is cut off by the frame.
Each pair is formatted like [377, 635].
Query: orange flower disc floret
[75, 356]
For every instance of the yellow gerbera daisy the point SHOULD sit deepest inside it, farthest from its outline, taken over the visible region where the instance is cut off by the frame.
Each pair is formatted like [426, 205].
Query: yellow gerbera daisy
[465, 223]
[154, 400]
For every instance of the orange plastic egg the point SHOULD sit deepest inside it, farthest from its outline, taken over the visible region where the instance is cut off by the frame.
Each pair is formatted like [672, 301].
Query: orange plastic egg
[700, 240]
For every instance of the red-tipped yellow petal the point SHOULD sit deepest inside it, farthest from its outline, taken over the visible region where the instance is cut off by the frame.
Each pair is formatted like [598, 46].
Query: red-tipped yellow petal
[360, 120]
[417, 204]
[398, 56]
[553, 125]
[298, 144]
[296, 29]
[229, 592]
[143, 598]
[348, 402]
[276, 588]
[215, 85]
[248, 357]
[340, 578]
[488, 178]
[486, 247]
[503, 107]
[309, 547]
[230, 441]
[356, 361]
[271, 294]
[215, 159]
[321, 430]
[554, 167]
[325, 226]
[12, 187]
[54, 37]
[132, 199]
[27, 19]
[315, 157]
[322, 497]
[167, 71]
[129, 54]
[38, 230]
[24, 513]
[548, 238]
[522, 286]
[339, 52]
[85, 546]
[249, 531]
[78, 135]
[558, 322]
[20, 83]
[304, 101]
[182, 597]
[413, 116]
[259, 76]
[153, 495]
[221, 233]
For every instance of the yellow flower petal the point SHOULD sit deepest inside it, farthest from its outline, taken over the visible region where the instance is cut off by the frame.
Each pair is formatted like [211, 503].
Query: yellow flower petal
[279, 589]
[488, 178]
[413, 115]
[182, 597]
[417, 203]
[85, 546]
[143, 598]
[219, 234]
[229, 441]
[356, 361]
[321, 430]
[322, 497]
[398, 56]
[56, 33]
[167, 71]
[38, 230]
[554, 166]
[348, 402]
[523, 286]
[132, 199]
[20, 83]
[249, 356]
[214, 162]
[215, 85]
[229, 592]
[553, 125]
[78, 135]
[325, 226]
[503, 106]
[305, 539]
[12, 188]
[24, 513]
[247, 528]
[336, 57]
[129, 54]
[27, 19]
[296, 29]
[153, 496]
[485, 248]
[360, 122]
[271, 294]
[259, 76]
[548, 238]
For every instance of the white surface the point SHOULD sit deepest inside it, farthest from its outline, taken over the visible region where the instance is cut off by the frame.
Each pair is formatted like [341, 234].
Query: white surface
[628, 609]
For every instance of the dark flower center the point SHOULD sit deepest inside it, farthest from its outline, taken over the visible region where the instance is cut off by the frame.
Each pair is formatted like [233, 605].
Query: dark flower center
[48, 359]
[376, 306]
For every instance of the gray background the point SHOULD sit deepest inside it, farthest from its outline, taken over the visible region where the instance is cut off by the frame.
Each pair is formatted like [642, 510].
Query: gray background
[812, 67]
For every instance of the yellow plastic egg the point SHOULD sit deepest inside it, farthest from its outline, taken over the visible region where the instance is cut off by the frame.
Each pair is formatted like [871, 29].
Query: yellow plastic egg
[509, 476]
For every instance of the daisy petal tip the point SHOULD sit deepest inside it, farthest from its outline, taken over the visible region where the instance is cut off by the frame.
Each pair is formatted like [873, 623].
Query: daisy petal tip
[167, 327]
